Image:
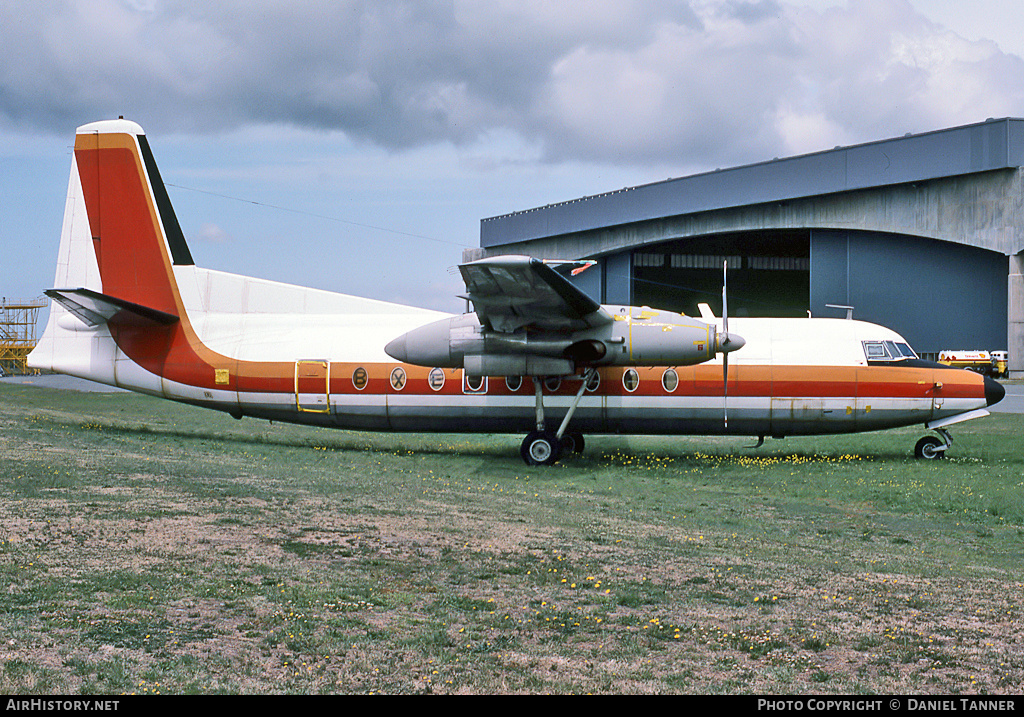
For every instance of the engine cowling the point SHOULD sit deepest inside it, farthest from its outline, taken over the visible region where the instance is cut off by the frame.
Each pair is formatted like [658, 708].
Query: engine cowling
[447, 343]
[635, 337]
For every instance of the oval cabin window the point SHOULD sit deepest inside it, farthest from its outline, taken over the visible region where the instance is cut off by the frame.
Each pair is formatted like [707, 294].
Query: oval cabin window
[670, 380]
[398, 378]
[436, 379]
[631, 380]
[359, 378]
[474, 384]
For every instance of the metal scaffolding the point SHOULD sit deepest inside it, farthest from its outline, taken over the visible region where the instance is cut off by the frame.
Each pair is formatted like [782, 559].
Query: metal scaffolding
[18, 332]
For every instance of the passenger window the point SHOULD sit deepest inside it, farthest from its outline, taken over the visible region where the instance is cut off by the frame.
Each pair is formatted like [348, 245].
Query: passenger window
[474, 384]
[631, 380]
[670, 380]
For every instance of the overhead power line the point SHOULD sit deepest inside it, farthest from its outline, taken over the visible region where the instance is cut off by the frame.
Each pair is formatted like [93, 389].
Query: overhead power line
[325, 217]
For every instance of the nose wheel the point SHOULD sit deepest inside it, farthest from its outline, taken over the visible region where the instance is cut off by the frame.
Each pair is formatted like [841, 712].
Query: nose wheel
[933, 447]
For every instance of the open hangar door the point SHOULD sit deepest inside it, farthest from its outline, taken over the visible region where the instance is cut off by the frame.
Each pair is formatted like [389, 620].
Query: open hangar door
[938, 295]
[769, 273]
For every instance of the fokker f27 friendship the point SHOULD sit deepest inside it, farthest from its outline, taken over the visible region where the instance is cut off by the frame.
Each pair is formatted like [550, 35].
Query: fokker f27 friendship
[535, 356]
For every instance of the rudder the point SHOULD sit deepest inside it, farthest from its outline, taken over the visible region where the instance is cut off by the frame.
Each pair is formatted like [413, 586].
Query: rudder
[119, 242]
[135, 235]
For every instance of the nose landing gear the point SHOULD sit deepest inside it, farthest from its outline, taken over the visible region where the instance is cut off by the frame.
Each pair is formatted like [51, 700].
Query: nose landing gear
[933, 447]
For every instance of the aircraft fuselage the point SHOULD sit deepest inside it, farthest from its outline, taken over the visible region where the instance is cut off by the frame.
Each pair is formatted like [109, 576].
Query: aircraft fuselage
[132, 310]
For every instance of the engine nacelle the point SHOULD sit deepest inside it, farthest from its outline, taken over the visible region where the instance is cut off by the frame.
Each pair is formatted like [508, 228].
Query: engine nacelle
[517, 365]
[634, 337]
[653, 337]
[447, 344]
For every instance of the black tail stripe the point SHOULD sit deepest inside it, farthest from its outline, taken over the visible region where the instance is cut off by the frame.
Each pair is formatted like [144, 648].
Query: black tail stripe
[180, 254]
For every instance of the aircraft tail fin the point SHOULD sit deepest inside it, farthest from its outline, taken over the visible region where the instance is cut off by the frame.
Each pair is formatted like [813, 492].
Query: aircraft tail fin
[120, 242]
[134, 232]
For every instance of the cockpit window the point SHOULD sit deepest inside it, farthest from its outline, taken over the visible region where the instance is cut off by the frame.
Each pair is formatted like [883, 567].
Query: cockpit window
[875, 351]
[887, 351]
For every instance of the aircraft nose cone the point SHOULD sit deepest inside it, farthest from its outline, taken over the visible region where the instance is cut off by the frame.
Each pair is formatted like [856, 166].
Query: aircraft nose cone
[994, 391]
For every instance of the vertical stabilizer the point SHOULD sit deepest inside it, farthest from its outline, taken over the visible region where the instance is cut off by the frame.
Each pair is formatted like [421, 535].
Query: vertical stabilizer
[134, 233]
[119, 242]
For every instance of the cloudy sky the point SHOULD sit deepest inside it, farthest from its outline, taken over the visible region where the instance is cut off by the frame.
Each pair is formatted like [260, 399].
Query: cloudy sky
[355, 146]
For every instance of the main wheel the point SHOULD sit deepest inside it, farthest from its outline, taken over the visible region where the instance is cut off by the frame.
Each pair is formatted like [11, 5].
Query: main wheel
[572, 442]
[928, 448]
[540, 448]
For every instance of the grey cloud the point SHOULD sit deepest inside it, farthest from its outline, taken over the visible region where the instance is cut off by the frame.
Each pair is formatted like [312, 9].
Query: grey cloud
[610, 80]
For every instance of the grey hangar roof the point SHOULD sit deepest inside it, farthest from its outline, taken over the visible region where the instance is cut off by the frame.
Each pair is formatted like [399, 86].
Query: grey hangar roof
[943, 154]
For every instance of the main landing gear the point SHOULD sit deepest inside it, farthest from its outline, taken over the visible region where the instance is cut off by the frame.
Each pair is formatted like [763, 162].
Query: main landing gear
[933, 447]
[544, 447]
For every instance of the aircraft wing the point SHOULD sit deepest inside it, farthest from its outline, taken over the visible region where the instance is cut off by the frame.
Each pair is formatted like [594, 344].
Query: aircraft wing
[514, 292]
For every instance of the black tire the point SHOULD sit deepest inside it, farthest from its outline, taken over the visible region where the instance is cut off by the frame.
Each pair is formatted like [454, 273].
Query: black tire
[573, 442]
[927, 449]
[540, 448]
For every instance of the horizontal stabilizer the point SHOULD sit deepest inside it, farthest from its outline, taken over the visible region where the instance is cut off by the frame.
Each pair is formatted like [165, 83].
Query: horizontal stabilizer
[94, 308]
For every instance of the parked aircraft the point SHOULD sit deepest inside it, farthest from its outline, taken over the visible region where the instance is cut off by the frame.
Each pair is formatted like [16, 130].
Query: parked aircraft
[131, 309]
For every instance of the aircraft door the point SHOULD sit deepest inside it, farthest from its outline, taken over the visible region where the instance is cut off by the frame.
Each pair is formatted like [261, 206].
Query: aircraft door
[826, 403]
[937, 397]
[312, 386]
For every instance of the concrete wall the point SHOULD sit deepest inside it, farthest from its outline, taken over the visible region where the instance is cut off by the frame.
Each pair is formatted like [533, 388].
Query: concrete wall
[1015, 315]
[982, 210]
[990, 147]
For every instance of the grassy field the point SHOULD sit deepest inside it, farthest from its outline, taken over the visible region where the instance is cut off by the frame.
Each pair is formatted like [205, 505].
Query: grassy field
[147, 547]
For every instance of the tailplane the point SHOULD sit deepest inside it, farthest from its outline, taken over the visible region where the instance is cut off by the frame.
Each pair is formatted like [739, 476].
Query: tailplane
[93, 308]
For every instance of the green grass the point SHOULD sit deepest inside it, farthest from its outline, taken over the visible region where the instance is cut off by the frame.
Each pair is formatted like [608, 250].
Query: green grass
[149, 547]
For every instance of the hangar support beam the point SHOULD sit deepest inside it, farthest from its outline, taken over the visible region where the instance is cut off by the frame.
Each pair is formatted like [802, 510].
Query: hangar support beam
[981, 210]
[1015, 316]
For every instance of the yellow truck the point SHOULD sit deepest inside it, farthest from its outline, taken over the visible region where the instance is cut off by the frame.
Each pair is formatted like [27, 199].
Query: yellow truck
[988, 363]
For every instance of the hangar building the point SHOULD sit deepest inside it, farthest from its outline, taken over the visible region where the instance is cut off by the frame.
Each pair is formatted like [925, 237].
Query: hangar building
[922, 233]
